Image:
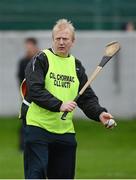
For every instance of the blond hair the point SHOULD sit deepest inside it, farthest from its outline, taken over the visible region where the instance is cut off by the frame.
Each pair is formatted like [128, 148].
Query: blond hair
[61, 24]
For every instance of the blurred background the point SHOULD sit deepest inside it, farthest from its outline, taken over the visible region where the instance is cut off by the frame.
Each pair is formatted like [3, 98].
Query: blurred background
[101, 153]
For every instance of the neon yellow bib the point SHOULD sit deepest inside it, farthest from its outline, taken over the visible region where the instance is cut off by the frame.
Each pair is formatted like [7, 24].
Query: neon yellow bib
[61, 81]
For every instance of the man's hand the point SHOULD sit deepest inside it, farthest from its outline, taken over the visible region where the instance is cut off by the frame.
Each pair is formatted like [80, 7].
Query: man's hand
[107, 120]
[68, 106]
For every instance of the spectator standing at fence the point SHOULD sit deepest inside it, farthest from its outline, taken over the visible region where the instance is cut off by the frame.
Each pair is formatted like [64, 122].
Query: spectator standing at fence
[128, 27]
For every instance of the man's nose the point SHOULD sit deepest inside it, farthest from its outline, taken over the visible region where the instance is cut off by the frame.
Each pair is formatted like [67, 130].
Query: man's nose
[61, 41]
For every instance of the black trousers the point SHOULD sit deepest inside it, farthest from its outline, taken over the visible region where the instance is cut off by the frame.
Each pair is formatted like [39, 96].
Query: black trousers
[49, 155]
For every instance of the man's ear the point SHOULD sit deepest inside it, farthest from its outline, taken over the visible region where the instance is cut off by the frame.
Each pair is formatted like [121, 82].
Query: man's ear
[73, 41]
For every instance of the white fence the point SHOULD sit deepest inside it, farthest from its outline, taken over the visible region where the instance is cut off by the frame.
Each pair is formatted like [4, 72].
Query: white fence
[115, 86]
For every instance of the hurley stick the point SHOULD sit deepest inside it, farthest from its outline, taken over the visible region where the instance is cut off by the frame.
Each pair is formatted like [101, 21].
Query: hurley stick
[111, 49]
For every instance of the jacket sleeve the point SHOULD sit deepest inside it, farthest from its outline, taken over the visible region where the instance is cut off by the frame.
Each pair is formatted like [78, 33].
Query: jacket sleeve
[88, 101]
[35, 78]
[20, 72]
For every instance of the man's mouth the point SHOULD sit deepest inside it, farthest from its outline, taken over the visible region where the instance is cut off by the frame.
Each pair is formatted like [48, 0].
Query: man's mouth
[61, 48]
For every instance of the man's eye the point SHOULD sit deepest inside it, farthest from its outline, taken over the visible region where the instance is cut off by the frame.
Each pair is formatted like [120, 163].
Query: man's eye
[65, 39]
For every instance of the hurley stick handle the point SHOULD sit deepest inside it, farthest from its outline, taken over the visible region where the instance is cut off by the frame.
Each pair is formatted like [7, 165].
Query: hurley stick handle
[63, 117]
[90, 80]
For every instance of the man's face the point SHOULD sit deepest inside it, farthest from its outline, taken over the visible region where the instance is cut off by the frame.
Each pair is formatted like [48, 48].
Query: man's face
[62, 42]
[31, 49]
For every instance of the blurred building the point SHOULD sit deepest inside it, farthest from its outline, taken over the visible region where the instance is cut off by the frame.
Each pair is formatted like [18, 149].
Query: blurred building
[85, 14]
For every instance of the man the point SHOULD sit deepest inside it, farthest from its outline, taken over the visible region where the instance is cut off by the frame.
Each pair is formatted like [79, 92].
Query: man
[31, 47]
[53, 79]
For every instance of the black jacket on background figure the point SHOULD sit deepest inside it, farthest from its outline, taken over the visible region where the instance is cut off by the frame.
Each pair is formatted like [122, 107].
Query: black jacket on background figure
[21, 68]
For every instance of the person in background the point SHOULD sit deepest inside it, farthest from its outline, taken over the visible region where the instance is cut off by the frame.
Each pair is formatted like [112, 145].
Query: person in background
[53, 79]
[128, 27]
[31, 48]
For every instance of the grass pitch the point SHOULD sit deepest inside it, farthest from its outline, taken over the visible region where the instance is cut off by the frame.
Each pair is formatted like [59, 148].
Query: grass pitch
[101, 154]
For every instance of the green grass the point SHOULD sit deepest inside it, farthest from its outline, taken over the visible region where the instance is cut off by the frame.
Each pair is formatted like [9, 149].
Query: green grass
[101, 154]
[11, 159]
[104, 153]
